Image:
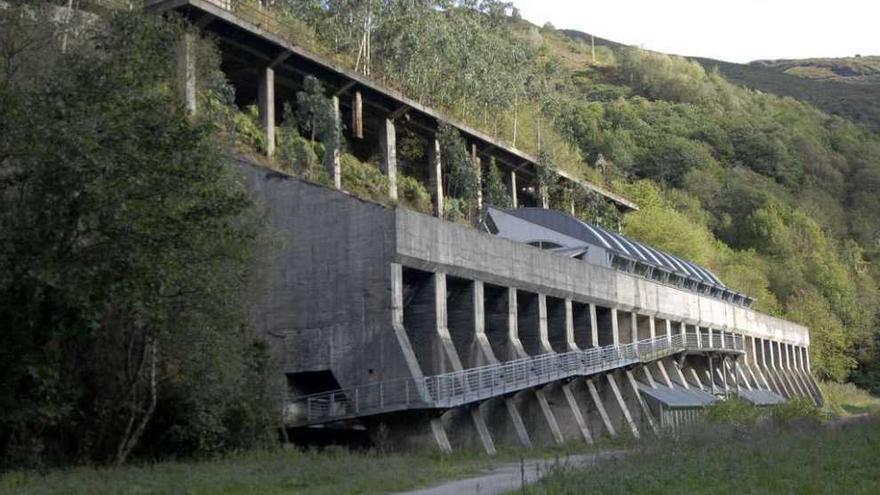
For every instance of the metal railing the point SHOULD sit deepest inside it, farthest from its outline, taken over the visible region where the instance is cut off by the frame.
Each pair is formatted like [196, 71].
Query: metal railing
[476, 384]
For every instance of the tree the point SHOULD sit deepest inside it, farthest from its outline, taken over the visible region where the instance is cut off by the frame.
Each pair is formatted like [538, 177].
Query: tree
[125, 239]
[495, 191]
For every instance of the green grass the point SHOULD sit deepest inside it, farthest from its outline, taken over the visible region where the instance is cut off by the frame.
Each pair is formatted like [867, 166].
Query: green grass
[845, 399]
[795, 459]
[333, 471]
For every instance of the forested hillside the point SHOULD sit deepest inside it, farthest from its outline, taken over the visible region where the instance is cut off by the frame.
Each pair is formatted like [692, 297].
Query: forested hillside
[127, 246]
[847, 87]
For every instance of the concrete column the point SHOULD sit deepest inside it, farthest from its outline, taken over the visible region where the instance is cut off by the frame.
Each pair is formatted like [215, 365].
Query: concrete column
[569, 326]
[577, 414]
[615, 330]
[792, 371]
[668, 330]
[594, 327]
[680, 374]
[435, 167]
[267, 107]
[600, 406]
[440, 435]
[514, 201]
[646, 411]
[400, 332]
[388, 143]
[331, 152]
[652, 326]
[186, 73]
[475, 159]
[634, 327]
[622, 404]
[357, 116]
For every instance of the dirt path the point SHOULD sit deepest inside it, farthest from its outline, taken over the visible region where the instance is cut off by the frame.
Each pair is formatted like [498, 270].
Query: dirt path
[509, 477]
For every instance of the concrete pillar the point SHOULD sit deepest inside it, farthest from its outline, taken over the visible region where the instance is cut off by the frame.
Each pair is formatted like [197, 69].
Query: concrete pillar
[514, 200]
[615, 329]
[186, 72]
[331, 152]
[646, 411]
[440, 435]
[357, 116]
[633, 327]
[577, 413]
[435, 168]
[569, 326]
[622, 404]
[266, 96]
[669, 330]
[388, 143]
[478, 167]
[594, 327]
[600, 406]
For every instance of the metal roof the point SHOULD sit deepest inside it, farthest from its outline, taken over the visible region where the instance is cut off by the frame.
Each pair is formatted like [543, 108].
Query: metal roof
[566, 235]
[593, 234]
[761, 397]
[677, 397]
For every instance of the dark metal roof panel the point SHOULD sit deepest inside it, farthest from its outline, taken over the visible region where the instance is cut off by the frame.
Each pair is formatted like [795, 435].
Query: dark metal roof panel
[677, 397]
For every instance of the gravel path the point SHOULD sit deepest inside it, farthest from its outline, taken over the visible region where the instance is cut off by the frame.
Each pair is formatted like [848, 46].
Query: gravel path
[509, 477]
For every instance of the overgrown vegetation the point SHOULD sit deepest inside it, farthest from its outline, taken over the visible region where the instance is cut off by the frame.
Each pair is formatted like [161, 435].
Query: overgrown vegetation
[802, 459]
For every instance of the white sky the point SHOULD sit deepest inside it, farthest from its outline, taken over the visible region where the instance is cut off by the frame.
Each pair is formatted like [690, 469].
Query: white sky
[732, 30]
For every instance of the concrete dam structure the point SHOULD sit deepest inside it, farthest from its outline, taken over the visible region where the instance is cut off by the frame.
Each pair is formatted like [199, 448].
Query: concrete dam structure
[531, 327]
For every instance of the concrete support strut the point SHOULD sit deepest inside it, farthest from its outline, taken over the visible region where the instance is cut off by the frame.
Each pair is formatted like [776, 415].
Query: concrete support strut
[388, 144]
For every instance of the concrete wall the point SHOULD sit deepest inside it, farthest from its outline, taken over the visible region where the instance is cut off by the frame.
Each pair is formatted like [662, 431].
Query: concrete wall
[434, 244]
[327, 296]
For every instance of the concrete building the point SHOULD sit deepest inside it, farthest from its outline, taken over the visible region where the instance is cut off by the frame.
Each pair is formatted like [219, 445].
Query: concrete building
[532, 327]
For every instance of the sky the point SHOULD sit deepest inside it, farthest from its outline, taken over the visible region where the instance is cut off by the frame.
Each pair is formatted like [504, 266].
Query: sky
[731, 30]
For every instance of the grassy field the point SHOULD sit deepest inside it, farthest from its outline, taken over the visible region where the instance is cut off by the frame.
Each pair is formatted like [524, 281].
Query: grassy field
[333, 471]
[804, 459]
[721, 459]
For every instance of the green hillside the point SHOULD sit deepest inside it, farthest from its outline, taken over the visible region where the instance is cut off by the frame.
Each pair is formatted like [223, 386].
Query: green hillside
[857, 70]
[848, 87]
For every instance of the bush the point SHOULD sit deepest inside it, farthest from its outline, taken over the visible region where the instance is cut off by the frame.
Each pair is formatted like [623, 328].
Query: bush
[364, 180]
[796, 410]
[734, 411]
[413, 194]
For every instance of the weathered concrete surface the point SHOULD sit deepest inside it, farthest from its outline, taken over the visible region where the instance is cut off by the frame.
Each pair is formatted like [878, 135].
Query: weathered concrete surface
[468, 253]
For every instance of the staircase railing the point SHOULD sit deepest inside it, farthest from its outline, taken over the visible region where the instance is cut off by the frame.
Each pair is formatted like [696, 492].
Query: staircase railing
[475, 384]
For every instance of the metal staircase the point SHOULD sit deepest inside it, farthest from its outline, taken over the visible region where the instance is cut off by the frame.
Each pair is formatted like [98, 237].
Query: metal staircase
[471, 385]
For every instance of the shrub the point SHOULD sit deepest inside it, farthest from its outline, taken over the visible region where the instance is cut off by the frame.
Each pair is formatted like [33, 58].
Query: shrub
[365, 180]
[798, 410]
[413, 194]
[733, 411]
